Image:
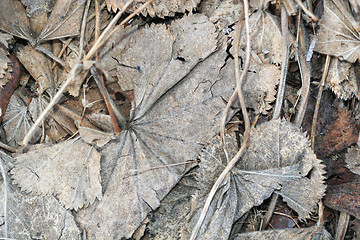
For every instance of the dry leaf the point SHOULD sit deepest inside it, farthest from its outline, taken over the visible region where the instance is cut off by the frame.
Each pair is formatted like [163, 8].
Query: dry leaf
[91, 135]
[69, 170]
[265, 34]
[174, 115]
[33, 217]
[338, 35]
[353, 159]
[278, 159]
[342, 79]
[5, 69]
[64, 20]
[39, 66]
[311, 233]
[17, 120]
[160, 8]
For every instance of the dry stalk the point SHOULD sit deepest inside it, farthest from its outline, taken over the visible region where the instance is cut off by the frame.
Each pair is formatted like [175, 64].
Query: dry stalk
[284, 63]
[307, 11]
[6, 191]
[239, 82]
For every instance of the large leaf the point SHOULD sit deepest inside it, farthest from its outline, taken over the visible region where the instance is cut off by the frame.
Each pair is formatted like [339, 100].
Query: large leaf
[278, 159]
[177, 111]
[32, 217]
[338, 35]
[69, 170]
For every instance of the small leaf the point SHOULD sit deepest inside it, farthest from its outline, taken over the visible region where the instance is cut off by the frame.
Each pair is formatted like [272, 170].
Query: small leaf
[353, 159]
[69, 170]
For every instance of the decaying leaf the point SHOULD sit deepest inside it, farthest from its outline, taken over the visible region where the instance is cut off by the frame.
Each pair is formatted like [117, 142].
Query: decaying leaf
[17, 120]
[265, 33]
[69, 170]
[311, 233]
[4, 59]
[64, 20]
[259, 88]
[278, 158]
[342, 79]
[160, 8]
[39, 66]
[91, 135]
[33, 217]
[353, 159]
[339, 32]
[175, 114]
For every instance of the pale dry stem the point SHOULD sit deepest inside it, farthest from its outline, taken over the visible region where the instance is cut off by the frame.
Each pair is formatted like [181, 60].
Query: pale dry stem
[239, 81]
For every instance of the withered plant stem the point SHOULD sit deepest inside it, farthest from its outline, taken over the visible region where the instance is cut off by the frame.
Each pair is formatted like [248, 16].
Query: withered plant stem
[270, 211]
[307, 11]
[318, 100]
[83, 28]
[6, 195]
[284, 63]
[239, 82]
[97, 25]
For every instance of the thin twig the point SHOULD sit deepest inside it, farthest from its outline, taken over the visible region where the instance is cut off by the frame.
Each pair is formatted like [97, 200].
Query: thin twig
[83, 28]
[270, 211]
[309, 13]
[6, 147]
[284, 63]
[318, 100]
[305, 72]
[66, 44]
[6, 190]
[239, 81]
[97, 24]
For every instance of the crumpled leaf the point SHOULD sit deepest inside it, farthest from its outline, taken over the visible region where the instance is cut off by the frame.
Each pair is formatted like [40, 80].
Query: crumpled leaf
[353, 159]
[75, 162]
[174, 116]
[342, 79]
[265, 34]
[160, 8]
[64, 20]
[17, 120]
[311, 233]
[260, 87]
[338, 35]
[5, 69]
[38, 65]
[33, 217]
[278, 158]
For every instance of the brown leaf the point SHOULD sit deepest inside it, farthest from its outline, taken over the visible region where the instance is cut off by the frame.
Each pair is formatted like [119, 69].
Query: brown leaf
[69, 170]
[160, 8]
[353, 159]
[343, 191]
[31, 216]
[5, 69]
[278, 159]
[339, 32]
[175, 113]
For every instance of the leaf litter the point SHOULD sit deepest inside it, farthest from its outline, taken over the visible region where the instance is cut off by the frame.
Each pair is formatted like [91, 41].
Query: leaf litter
[180, 87]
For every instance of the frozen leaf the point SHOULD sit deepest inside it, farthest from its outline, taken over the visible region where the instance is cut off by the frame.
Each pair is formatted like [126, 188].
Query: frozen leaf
[75, 162]
[342, 79]
[160, 8]
[338, 35]
[265, 34]
[17, 120]
[259, 88]
[177, 109]
[38, 65]
[33, 217]
[278, 158]
[353, 159]
[64, 20]
[311, 233]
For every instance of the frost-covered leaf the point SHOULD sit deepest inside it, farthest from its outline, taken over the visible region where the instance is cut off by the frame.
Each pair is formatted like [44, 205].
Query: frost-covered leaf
[311, 233]
[91, 135]
[63, 21]
[38, 65]
[278, 158]
[33, 217]
[177, 109]
[160, 8]
[265, 34]
[338, 35]
[69, 170]
[353, 159]
[342, 79]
